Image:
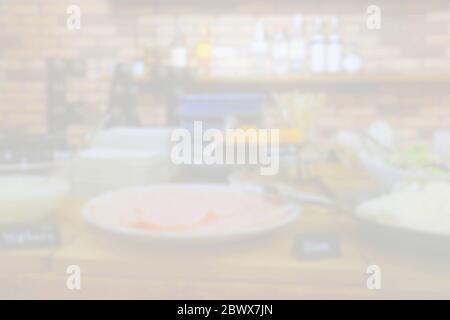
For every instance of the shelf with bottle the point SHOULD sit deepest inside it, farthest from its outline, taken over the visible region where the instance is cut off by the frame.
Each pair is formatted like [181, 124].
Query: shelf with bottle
[289, 48]
[281, 49]
[296, 50]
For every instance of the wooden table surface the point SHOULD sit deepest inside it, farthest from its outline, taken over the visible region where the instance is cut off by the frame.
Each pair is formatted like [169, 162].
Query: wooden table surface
[260, 269]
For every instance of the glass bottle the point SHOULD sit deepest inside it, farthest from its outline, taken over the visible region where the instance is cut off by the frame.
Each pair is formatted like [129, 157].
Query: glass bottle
[334, 48]
[297, 46]
[260, 50]
[280, 53]
[178, 50]
[203, 51]
[318, 48]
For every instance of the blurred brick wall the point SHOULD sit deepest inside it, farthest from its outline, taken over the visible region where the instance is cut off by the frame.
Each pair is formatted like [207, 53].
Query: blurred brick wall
[414, 41]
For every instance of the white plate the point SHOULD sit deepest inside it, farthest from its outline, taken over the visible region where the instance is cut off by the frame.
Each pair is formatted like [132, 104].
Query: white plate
[291, 214]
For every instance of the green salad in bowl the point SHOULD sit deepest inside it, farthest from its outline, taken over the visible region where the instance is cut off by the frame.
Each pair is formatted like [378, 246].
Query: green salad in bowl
[420, 158]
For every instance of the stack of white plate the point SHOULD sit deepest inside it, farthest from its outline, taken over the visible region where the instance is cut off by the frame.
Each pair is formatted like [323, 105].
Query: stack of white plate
[121, 158]
[134, 139]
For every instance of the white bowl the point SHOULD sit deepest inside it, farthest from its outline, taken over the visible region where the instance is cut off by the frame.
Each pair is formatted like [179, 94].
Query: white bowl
[388, 175]
[29, 198]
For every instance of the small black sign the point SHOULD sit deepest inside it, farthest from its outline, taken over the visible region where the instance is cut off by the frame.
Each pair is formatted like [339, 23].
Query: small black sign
[39, 235]
[311, 246]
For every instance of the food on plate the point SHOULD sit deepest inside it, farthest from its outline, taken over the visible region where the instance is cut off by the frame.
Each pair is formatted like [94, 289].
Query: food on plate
[186, 210]
[420, 207]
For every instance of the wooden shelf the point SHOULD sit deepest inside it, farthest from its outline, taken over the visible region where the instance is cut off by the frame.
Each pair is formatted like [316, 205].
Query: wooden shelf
[252, 82]
[349, 79]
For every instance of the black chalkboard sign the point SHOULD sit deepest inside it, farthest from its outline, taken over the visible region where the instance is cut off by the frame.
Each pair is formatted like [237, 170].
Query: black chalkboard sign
[310, 246]
[39, 235]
